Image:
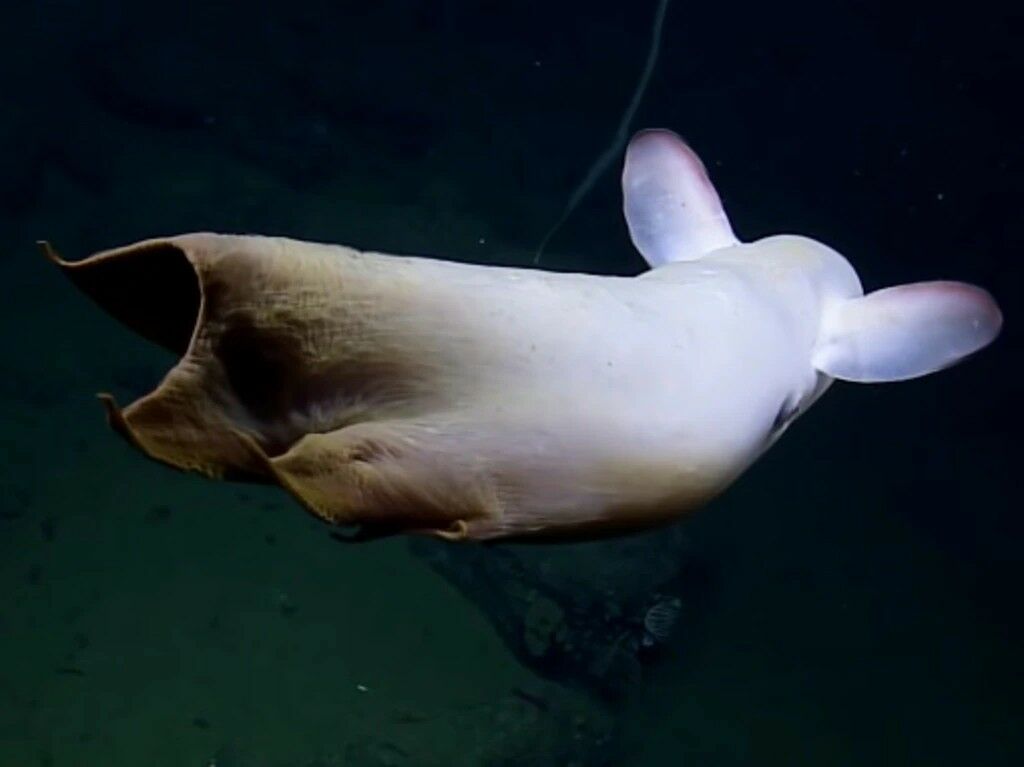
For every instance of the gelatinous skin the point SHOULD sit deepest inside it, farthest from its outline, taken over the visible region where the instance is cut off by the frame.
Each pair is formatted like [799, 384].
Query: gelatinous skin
[671, 207]
[906, 331]
[409, 394]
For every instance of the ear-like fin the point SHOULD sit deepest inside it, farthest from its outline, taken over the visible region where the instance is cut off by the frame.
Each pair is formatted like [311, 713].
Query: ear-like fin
[906, 331]
[672, 209]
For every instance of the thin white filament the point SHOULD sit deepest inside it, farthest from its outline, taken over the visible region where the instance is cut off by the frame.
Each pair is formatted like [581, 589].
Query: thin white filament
[614, 149]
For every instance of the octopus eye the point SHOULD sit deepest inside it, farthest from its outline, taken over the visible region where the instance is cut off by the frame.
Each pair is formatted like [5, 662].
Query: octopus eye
[787, 412]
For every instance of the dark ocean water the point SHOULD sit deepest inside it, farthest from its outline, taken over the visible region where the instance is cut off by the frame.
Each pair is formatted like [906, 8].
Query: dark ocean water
[854, 599]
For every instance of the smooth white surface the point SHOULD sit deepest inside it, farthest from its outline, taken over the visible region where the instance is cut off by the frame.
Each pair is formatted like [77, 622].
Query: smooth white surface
[907, 331]
[671, 207]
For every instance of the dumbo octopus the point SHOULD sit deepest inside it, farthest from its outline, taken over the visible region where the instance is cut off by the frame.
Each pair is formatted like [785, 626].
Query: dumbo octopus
[410, 394]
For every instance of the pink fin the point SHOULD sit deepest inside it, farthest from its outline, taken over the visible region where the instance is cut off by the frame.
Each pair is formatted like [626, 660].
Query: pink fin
[906, 331]
[672, 209]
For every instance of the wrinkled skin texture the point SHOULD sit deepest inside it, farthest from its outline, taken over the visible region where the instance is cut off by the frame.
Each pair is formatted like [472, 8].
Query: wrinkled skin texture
[406, 394]
[409, 394]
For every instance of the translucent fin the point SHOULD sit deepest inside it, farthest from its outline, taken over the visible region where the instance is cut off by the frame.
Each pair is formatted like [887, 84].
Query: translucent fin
[672, 209]
[906, 331]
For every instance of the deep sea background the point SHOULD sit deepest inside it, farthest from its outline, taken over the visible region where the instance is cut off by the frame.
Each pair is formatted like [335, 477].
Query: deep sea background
[855, 599]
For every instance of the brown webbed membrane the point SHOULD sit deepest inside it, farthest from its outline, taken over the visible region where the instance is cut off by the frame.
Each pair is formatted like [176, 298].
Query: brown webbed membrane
[151, 287]
[279, 380]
